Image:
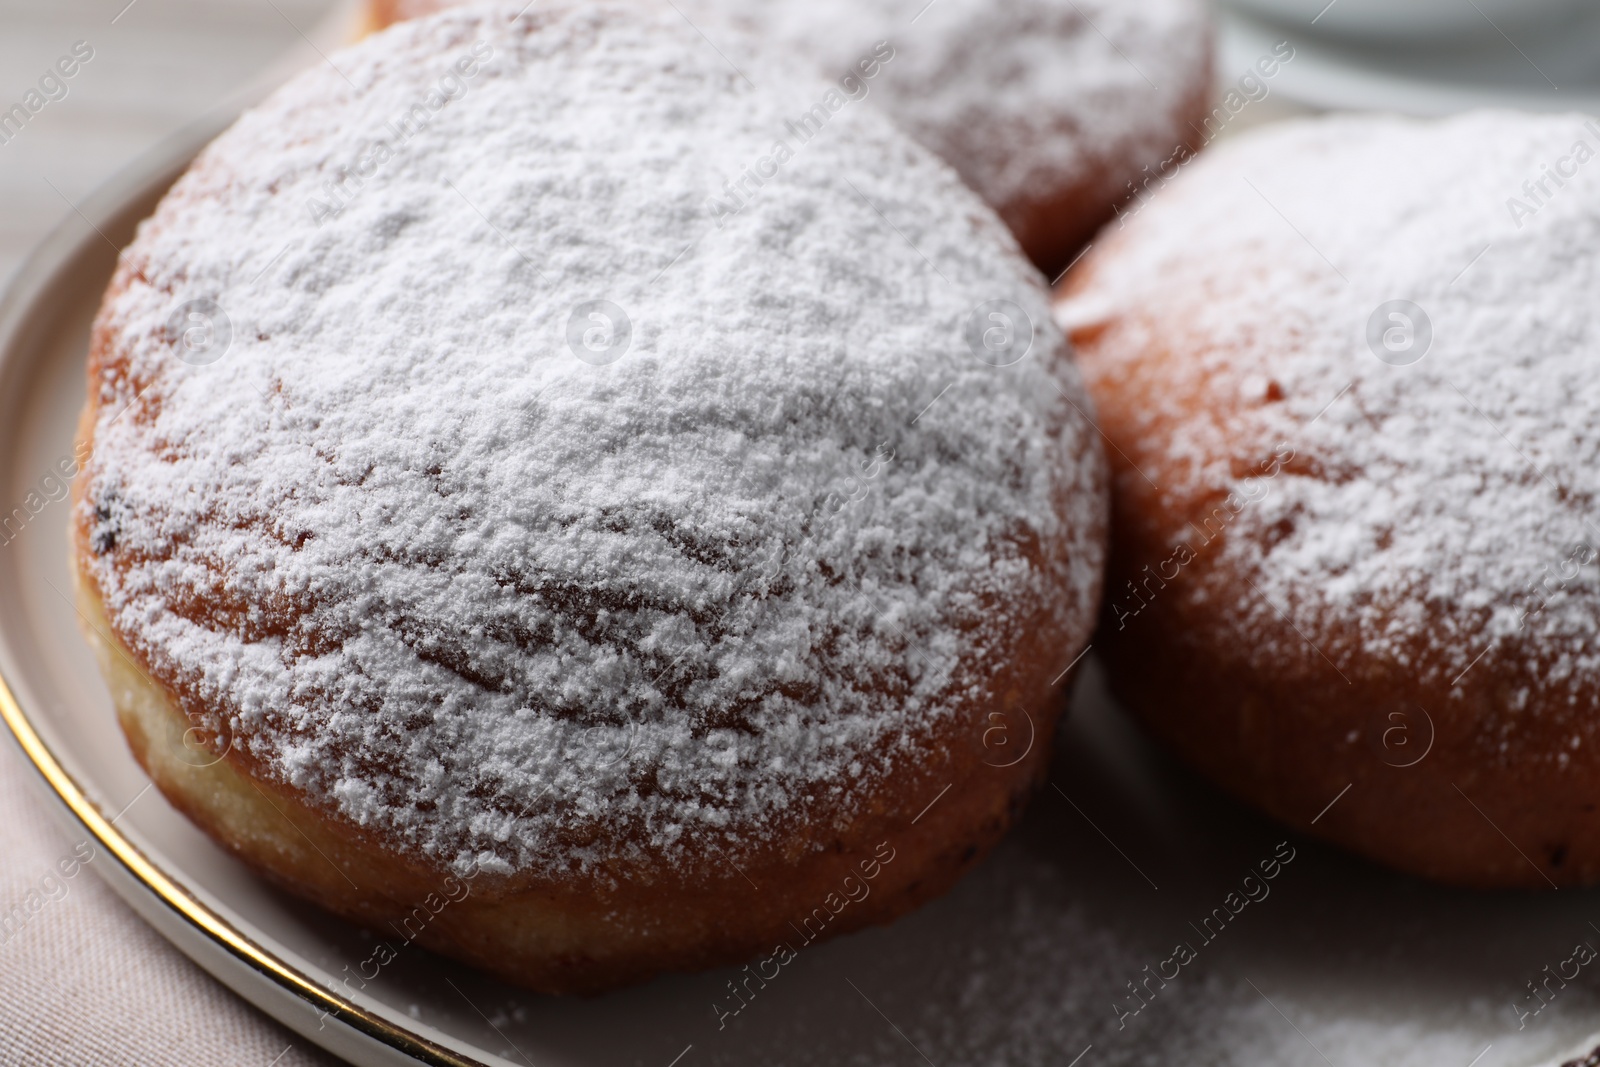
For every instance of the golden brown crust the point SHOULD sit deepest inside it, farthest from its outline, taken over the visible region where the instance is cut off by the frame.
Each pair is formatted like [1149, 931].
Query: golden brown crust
[385, 13]
[567, 935]
[1054, 228]
[571, 934]
[1425, 778]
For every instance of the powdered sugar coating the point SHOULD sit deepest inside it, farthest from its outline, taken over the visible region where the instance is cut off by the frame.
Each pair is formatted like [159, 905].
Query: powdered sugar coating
[1025, 98]
[496, 602]
[1434, 512]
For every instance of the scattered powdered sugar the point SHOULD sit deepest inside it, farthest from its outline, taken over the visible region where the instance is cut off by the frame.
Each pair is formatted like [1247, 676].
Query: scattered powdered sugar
[1441, 502]
[501, 603]
[1039, 956]
[1024, 98]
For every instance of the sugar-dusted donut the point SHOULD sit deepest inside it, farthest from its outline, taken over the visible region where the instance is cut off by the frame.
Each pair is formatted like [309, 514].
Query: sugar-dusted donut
[1347, 368]
[1055, 111]
[477, 530]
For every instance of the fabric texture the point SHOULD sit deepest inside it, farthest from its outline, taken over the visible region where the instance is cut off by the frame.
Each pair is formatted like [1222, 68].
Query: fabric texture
[83, 980]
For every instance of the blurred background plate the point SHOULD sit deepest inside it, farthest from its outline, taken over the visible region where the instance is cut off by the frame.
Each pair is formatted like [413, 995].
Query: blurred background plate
[1421, 57]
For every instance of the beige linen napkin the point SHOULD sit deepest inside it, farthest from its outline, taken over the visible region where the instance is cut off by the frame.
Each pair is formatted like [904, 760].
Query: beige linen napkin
[84, 981]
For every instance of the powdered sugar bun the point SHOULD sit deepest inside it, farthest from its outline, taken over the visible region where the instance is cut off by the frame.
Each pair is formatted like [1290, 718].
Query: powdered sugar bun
[1053, 110]
[1347, 367]
[502, 521]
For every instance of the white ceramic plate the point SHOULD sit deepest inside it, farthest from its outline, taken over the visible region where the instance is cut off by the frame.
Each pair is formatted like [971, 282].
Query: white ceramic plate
[1412, 21]
[1028, 962]
[1546, 65]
